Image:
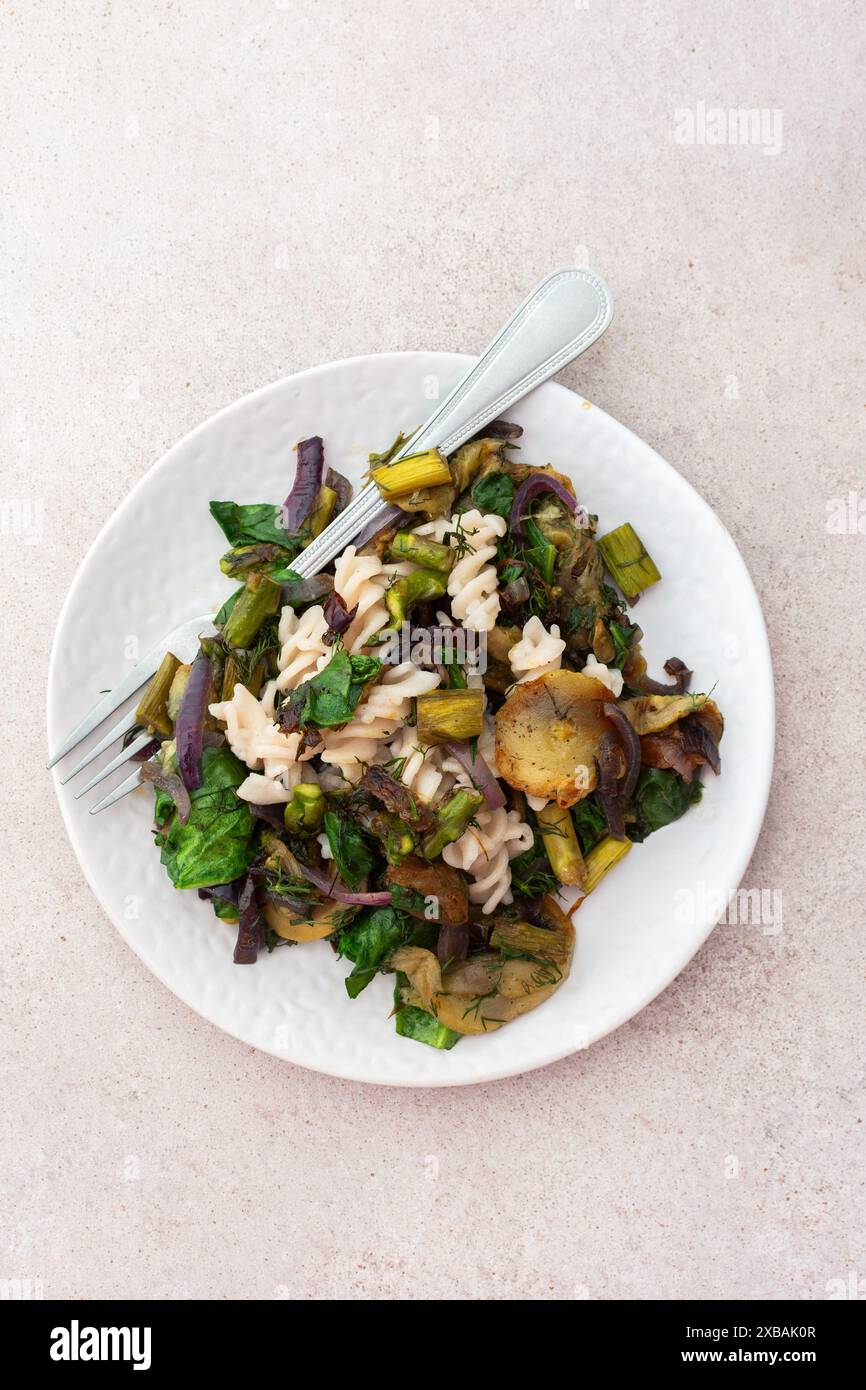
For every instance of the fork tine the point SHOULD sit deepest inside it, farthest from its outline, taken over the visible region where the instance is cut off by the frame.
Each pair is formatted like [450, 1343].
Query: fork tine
[120, 791]
[126, 723]
[123, 757]
[140, 673]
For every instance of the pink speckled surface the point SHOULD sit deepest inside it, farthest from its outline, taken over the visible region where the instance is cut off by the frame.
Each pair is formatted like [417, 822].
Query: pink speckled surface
[205, 198]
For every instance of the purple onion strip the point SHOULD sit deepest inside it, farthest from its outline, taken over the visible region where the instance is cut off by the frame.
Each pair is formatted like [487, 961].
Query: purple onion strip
[171, 783]
[531, 487]
[333, 888]
[308, 480]
[480, 773]
[250, 931]
[189, 727]
[378, 524]
[630, 746]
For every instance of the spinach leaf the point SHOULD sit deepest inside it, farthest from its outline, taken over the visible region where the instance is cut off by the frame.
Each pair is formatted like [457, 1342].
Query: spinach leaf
[349, 849]
[329, 698]
[531, 874]
[589, 822]
[494, 493]
[420, 1026]
[410, 901]
[621, 638]
[218, 843]
[661, 796]
[252, 523]
[373, 937]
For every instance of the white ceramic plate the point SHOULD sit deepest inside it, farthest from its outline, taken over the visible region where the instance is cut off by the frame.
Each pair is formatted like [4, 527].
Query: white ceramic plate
[155, 564]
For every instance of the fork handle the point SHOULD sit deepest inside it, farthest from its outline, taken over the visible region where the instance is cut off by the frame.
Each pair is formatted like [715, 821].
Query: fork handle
[563, 316]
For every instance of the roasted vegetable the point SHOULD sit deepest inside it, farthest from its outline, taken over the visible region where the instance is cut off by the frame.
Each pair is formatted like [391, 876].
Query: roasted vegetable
[450, 714]
[630, 564]
[560, 843]
[429, 554]
[416, 471]
[152, 709]
[601, 859]
[548, 734]
[442, 892]
[650, 714]
[260, 599]
[452, 819]
[323, 510]
[322, 919]
[411, 589]
[489, 988]
[305, 812]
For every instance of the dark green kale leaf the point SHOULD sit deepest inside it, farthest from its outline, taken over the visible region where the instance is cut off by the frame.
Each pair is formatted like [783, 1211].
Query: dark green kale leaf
[329, 698]
[661, 796]
[494, 493]
[374, 937]
[218, 842]
[349, 849]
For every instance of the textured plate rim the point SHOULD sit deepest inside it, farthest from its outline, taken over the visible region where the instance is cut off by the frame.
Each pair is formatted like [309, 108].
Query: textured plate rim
[755, 813]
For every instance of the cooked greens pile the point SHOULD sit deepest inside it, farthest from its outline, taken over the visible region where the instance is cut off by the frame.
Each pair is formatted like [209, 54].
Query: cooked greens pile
[420, 818]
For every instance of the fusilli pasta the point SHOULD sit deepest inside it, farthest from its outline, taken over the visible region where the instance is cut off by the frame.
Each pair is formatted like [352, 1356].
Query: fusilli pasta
[537, 653]
[485, 850]
[386, 707]
[472, 583]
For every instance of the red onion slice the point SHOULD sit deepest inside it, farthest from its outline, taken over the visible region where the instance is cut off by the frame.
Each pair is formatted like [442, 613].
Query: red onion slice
[251, 933]
[308, 480]
[479, 771]
[379, 523]
[531, 487]
[171, 783]
[189, 727]
[630, 746]
[331, 887]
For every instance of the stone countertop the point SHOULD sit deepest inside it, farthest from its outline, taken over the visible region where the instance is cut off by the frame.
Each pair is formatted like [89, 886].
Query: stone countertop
[206, 198]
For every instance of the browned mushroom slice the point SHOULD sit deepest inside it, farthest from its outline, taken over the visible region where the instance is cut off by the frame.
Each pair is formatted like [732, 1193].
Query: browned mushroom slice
[548, 734]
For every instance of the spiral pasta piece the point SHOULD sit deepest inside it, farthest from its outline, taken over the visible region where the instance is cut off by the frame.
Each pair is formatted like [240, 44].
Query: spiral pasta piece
[473, 582]
[303, 651]
[420, 769]
[271, 755]
[387, 706]
[363, 580]
[538, 652]
[484, 852]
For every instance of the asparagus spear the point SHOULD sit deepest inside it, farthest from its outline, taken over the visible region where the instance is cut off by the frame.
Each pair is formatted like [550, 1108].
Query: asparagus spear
[601, 859]
[409, 590]
[560, 843]
[630, 564]
[427, 469]
[450, 714]
[431, 555]
[451, 820]
[152, 710]
[306, 809]
[261, 598]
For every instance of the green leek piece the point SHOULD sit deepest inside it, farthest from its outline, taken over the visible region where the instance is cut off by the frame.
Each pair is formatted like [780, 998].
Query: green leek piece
[322, 512]
[431, 555]
[450, 714]
[630, 564]
[305, 812]
[541, 943]
[152, 710]
[405, 592]
[601, 858]
[175, 693]
[451, 821]
[560, 843]
[427, 469]
[261, 598]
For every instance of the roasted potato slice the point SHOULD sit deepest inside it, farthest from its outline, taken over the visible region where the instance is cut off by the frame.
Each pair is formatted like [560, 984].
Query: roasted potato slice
[650, 714]
[548, 734]
[480, 994]
[323, 919]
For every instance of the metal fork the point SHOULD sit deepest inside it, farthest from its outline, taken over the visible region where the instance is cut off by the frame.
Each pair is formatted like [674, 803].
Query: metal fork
[563, 316]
